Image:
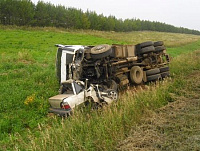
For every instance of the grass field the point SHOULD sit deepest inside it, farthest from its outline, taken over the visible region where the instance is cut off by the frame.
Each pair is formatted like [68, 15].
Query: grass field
[27, 77]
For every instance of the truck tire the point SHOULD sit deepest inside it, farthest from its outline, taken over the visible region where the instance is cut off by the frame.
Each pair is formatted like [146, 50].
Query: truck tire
[164, 69]
[147, 49]
[136, 75]
[152, 71]
[165, 74]
[153, 77]
[101, 51]
[146, 44]
[159, 48]
[158, 43]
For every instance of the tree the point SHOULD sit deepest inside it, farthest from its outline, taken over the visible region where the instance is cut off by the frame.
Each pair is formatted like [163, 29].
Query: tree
[25, 13]
[42, 16]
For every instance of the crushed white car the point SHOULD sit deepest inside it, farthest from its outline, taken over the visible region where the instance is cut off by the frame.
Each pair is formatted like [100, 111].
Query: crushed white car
[74, 93]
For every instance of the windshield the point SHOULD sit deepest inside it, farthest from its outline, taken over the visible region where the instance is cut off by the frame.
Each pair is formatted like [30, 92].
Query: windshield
[72, 88]
[69, 58]
[78, 88]
[67, 88]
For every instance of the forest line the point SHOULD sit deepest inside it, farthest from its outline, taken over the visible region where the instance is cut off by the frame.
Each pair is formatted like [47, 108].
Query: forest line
[26, 13]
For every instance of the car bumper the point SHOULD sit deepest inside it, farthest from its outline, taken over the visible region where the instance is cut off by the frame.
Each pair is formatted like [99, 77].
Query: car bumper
[60, 112]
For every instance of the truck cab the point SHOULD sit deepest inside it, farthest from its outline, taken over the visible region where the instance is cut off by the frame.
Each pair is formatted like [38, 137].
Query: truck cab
[68, 61]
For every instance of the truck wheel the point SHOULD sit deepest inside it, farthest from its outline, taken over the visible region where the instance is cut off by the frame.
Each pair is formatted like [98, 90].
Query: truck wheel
[158, 43]
[136, 75]
[146, 44]
[113, 95]
[147, 50]
[164, 69]
[101, 51]
[152, 71]
[159, 48]
[153, 77]
[165, 74]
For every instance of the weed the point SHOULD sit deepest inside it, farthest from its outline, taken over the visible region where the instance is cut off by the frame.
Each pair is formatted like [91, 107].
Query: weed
[29, 100]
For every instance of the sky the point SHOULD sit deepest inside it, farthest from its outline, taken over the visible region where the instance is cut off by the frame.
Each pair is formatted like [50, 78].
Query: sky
[180, 13]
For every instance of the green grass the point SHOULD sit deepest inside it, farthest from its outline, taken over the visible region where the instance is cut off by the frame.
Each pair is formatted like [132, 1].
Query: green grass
[175, 51]
[27, 76]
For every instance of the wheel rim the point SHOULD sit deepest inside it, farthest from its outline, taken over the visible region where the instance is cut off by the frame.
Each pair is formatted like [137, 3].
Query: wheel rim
[100, 49]
[113, 95]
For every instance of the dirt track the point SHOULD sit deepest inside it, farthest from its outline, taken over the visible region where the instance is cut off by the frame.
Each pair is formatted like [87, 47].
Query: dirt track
[173, 127]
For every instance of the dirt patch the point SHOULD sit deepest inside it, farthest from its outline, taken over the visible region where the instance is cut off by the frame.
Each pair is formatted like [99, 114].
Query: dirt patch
[173, 127]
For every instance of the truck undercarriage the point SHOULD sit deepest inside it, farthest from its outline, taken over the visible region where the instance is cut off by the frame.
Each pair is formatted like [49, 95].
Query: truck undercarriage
[123, 64]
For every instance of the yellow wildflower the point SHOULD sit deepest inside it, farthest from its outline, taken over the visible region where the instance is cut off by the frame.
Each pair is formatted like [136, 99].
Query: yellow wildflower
[29, 99]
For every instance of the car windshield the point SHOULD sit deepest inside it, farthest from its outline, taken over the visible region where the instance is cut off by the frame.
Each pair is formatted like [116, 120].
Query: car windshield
[78, 88]
[67, 88]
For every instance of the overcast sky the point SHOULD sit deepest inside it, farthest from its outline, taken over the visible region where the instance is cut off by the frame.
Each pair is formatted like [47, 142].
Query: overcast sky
[180, 13]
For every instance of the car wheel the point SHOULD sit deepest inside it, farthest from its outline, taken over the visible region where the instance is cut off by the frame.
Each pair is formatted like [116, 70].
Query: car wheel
[101, 51]
[113, 94]
[136, 75]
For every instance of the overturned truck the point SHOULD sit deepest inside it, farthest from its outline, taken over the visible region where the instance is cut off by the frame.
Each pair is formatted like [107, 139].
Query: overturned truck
[113, 66]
